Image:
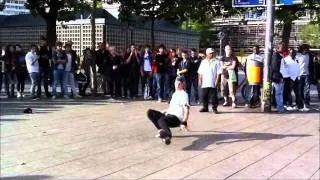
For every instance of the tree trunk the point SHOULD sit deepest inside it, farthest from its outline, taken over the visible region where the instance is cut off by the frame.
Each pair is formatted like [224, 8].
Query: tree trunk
[286, 31]
[51, 31]
[93, 25]
[94, 86]
[152, 34]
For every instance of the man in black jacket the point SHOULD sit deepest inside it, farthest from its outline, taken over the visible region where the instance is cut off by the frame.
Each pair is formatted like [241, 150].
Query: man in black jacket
[276, 76]
[194, 66]
[112, 72]
[133, 64]
[101, 59]
[45, 67]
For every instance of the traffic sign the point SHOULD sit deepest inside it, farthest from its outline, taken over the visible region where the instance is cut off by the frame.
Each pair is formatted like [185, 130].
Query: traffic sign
[288, 2]
[248, 3]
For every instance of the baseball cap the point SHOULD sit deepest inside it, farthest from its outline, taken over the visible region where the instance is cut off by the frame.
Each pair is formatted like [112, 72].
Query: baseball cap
[209, 51]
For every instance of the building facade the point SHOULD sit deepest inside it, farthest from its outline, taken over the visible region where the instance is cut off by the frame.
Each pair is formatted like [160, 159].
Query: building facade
[27, 29]
[14, 7]
[243, 32]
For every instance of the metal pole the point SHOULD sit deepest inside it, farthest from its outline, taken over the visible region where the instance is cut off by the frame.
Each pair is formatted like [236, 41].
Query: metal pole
[266, 95]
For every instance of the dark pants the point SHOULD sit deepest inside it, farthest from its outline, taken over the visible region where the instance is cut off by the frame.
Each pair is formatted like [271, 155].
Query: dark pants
[133, 83]
[146, 80]
[10, 81]
[124, 83]
[21, 77]
[44, 76]
[114, 84]
[290, 85]
[83, 86]
[1, 81]
[210, 93]
[104, 84]
[170, 79]
[305, 89]
[194, 84]
[162, 121]
[253, 96]
[188, 87]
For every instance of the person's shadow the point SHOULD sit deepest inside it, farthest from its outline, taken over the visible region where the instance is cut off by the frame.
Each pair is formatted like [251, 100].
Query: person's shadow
[219, 137]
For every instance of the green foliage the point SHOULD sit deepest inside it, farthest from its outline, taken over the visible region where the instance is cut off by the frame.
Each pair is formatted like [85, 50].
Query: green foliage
[310, 34]
[287, 14]
[62, 10]
[2, 3]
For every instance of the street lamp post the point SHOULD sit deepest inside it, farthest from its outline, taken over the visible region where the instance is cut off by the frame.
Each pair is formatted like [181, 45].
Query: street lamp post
[266, 95]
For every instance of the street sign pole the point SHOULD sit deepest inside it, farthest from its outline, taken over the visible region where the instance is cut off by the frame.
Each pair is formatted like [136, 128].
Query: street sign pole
[221, 36]
[267, 88]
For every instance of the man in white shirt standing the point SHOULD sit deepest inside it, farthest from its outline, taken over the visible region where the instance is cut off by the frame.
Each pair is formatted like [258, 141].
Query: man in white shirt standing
[290, 71]
[33, 69]
[305, 61]
[177, 114]
[208, 80]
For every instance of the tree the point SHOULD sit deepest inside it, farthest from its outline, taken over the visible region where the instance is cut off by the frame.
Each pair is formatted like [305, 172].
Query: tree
[151, 9]
[287, 14]
[52, 11]
[2, 3]
[310, 34]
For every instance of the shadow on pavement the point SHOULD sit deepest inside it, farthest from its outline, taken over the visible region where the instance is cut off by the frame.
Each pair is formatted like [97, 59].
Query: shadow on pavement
[27, 177]
[11, 107]
[205, 140]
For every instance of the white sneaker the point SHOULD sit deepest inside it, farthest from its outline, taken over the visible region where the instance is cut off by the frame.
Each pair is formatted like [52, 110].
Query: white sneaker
[18, 95]
[77, 96]
[289, 108]
[22, 94]
[234, 105]
[66, 96]
[304, 109]
[54, 97]
[159, 100]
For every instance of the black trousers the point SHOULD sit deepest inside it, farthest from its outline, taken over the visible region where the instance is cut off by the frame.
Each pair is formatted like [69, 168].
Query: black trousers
[207, 94]
[162, 121]
[290, 85]
[44, 77]
[114, 84]
[83, 86]
[1, 80]
[194, 84]
[22, 74]
[133, 83]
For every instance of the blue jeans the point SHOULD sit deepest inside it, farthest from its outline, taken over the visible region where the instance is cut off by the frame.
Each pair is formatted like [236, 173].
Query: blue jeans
[158, 81]
[69, 80]
[34, 76]
[58, 76]
[279, 95]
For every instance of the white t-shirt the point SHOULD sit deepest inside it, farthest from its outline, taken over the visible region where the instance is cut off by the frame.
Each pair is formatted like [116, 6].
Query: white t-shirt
[32, 57]
[289, 68]
[146, 64]
[209, 71]
[303, 60]
[69, 61]
[178, 101]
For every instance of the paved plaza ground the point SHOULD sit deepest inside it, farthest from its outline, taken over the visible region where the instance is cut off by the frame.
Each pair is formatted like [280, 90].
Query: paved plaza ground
[105, 139]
